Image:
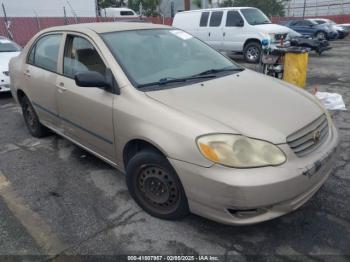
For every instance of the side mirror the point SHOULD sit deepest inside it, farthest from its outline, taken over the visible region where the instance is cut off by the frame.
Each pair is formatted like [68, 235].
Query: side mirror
[240, 23]
[91, 79]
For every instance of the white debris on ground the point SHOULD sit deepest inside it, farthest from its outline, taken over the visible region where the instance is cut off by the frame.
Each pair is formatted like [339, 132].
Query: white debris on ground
[332, 101]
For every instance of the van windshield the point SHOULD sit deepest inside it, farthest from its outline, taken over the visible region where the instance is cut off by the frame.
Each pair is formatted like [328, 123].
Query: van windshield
[166, 57]
[255, 16]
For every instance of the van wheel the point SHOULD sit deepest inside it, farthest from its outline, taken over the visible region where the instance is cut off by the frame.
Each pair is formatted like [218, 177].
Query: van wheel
[321, 35]
[31, 119]
[252, 52]
[155, 186]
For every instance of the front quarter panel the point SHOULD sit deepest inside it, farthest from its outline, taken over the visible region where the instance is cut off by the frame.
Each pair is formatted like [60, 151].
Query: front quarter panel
[137, 116]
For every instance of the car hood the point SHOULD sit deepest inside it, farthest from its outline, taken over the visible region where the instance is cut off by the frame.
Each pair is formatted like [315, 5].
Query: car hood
[248, 103]
[5, 59]
[272, 28]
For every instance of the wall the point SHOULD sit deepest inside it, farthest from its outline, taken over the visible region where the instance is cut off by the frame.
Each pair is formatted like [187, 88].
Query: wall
[48, 8]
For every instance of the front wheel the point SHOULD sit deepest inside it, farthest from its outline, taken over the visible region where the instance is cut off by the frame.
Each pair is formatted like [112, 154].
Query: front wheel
[252, 52]
[321, 35]
[155, 186]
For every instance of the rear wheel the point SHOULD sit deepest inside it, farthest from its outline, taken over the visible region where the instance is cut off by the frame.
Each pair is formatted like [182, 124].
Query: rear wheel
[252, 52]
[155, 186]
[31, 119]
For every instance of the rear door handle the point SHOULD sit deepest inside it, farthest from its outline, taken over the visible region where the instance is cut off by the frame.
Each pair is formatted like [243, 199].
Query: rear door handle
[27, 73]
[61, 87]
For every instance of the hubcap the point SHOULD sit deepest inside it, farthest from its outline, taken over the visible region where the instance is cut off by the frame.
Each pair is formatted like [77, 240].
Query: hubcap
[253, 53]
[321, 35]
[157, 188]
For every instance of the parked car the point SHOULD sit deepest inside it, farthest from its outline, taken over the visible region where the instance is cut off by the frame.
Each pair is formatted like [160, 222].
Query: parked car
[342, 31]
[312, 29]
[118, 12]
[193, 130]
[346, 26]
[8, 49]
[232, 29]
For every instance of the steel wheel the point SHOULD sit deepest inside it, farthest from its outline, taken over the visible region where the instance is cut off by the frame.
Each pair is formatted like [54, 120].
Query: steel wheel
[253, 53]
[155, 186]
[30, 117]
[157, 189]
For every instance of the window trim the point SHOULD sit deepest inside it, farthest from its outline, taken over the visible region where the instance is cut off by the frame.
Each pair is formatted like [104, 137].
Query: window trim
[34, 46]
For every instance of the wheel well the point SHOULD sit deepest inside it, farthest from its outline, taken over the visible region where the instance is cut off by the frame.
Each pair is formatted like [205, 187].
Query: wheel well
[135, 146]
[20, 95]
[251, 40]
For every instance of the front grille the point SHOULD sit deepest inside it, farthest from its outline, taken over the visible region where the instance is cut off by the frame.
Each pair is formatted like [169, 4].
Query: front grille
[310, 137]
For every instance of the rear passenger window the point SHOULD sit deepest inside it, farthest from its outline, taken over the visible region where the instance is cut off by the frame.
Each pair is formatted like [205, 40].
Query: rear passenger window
[234, 19]
[215, 18]
[45, 52]
[204, 19]
[80, 55]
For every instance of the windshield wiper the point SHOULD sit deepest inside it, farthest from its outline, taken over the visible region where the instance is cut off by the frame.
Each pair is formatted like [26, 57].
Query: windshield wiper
[168, 80]
[215, 71]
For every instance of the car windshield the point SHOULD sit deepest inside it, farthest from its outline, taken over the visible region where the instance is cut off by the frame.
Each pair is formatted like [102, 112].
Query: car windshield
[255, 16]
[156, 57]
[8, 46]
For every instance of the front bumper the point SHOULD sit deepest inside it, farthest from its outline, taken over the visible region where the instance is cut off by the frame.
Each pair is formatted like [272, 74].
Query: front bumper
[248, 196]
[4, 88]
[333, 35]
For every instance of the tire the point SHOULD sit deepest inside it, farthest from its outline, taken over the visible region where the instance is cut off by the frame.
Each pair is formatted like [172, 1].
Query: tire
[31, 119]
[321, 35]
[252, 52]
[155, 186]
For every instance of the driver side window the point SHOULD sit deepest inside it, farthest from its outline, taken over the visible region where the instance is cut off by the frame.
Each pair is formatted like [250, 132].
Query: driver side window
[81, 56]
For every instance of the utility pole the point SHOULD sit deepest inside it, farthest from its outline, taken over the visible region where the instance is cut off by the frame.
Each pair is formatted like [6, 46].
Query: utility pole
[304, 8]
[187, 5]
[7, 24]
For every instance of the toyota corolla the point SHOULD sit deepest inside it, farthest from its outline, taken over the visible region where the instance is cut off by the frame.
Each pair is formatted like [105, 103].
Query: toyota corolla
[192, 130]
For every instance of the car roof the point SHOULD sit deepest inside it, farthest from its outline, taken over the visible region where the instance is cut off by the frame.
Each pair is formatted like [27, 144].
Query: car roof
[218, 9]
[103, 27]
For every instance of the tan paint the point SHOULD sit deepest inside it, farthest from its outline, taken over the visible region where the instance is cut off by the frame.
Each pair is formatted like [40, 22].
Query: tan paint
[244, 103]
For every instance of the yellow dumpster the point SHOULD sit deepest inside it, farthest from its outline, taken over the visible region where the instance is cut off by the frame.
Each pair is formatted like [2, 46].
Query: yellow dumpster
[295, 66]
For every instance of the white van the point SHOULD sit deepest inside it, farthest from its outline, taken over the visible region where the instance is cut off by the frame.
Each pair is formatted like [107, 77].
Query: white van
[118, 12]
[232, 29]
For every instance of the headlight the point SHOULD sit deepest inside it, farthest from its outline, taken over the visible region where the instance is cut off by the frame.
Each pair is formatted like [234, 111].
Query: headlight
[272, 37]
[239, 151]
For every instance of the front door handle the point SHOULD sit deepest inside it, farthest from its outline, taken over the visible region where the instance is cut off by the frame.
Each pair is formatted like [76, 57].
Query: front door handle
[27, 73]
[209, 33]
[223, 33]
[61, 87]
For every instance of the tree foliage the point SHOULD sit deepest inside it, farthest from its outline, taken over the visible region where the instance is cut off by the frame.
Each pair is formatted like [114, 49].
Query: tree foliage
[149, 7]
[269, 7]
